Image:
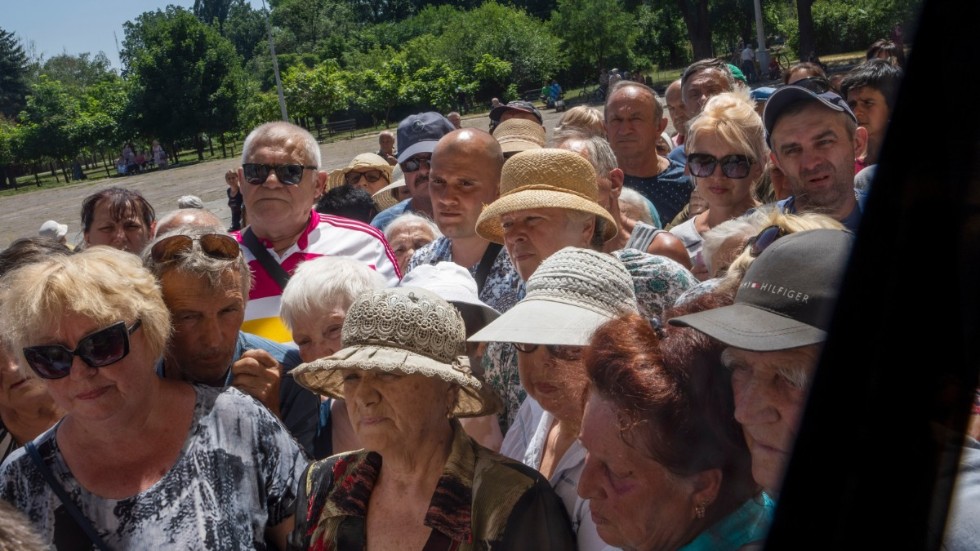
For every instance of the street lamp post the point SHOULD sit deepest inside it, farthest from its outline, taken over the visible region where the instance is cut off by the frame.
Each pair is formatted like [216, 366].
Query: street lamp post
[275, 65]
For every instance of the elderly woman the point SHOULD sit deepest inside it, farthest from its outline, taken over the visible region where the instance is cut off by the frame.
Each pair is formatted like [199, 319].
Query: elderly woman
[120, 218]
[314, 305]
[409, 233]
[367, 171]
[726, 156]
[420, 482]
[138, 461]
[667, 467]
[572, 293]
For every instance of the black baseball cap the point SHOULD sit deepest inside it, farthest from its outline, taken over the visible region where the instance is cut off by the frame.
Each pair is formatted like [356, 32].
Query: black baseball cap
[785, 96]
[787, 296]
[516, 105]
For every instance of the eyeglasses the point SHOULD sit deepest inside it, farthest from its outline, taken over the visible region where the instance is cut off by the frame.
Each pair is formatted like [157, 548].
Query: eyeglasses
[568, 353]
[703, 165]
[99, 349]
[372, 176]
[214, 245]
[414, 163]
[766, 237]
[290, 175]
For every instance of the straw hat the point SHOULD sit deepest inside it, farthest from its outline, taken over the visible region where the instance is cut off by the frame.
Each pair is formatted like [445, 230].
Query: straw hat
[569, 296]
[364, 161]
[515, 135]
[406, 330]
[544, 178]
[385, 197]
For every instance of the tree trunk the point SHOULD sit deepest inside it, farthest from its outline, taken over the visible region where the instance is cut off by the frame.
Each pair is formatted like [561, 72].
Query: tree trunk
[807, 38]
[695, 13]
[210, 146]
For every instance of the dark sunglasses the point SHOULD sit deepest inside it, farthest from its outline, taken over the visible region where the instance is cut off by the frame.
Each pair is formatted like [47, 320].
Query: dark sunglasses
[766, 237]
[257, 173]
[703, 165]
[99, 349]
[414, 163]
[568, 353]
[215, 245]
[372, 176]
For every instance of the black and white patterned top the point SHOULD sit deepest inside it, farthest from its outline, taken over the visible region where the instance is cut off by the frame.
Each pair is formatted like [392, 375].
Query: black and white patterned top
[236, 475]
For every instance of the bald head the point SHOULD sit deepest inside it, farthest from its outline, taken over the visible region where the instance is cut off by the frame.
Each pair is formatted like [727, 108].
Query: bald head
[465, 175]
[189, 218]
[479, 145]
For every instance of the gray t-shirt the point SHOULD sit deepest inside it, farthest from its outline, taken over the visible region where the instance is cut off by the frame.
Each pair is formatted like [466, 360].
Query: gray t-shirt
[236, 475]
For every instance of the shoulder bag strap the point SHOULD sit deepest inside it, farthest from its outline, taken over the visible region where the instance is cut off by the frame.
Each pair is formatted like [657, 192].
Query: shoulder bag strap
[260, 253]
[483, 269]
[70, 506]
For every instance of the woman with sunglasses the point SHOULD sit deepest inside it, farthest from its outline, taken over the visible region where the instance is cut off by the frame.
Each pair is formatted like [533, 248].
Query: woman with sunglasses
[726, 152]
[138, 461]
[368, 171]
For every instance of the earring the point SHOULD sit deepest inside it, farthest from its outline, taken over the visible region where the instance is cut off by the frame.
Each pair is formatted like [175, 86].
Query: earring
[699, 511]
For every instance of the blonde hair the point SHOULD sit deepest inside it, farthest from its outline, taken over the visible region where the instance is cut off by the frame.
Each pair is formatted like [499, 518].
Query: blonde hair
[103, 284]
[580, 121]
[732, 118]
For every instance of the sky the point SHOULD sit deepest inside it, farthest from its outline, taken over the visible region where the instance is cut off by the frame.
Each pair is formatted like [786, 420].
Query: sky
[54, 27]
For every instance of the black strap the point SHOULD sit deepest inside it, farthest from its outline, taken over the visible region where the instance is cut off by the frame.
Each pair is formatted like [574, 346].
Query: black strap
[80, 519]
[483, 269]
[260, 253]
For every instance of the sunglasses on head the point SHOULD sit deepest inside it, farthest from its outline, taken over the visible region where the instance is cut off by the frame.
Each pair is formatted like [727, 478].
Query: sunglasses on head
[703, 165]
[257, 173]
[766, 237]
[99, 349]
[372, 176]
[414, 163]
[568, 353]
[215, 245]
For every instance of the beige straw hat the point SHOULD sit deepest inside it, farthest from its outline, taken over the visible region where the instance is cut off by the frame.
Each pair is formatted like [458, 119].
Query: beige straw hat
[363, 161]
[515, 135]
[405, 330]
[544, 178]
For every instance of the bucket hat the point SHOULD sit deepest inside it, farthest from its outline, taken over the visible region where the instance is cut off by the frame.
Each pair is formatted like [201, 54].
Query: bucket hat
[569, 296]
[516, 135]
[406, 330]
[364, 161]
[544, 178]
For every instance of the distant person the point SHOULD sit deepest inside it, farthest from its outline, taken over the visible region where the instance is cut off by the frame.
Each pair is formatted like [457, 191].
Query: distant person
[870, 90]
[159, 155]
[386, 147]
[455, 118]
[748, 63]
[236, 201]
[890, 51]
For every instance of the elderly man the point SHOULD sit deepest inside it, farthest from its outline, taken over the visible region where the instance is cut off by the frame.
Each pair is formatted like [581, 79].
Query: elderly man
[774, 332]
[281, 171]
[814, 139]
[634, 121]
[702, 80]
[205, 282]
[386, 147]
[417, 137]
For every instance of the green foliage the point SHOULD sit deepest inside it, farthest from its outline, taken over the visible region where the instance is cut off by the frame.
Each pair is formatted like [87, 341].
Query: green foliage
[303, 24]
[50, 122]
[661, 37]
[212, 12]
[492, 75]
[594, 33]
[316, 92]
[246, 29]
[854, 24]
[78, 71]
[13, 75]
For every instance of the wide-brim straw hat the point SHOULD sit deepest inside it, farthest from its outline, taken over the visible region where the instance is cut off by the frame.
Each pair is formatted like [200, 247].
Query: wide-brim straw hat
[385, 198]
[515, 135]
[405, 330]
[544, 178]
[364, 161]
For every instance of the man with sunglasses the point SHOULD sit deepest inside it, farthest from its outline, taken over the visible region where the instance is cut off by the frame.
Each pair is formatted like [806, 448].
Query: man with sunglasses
[814, 139]
[417, 137]
[282, 179]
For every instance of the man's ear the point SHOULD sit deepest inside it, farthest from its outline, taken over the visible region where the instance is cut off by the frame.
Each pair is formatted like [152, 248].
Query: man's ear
[663, 124]
[616, 178]
[860, 141]
[320, 182]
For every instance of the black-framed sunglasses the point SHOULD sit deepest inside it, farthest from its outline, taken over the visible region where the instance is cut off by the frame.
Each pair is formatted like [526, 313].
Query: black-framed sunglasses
[99, 349]
[568, 353]
[372, 176]
[215, 245]
[414, 163]
[763, 239]
[290, 175]
[735, 167]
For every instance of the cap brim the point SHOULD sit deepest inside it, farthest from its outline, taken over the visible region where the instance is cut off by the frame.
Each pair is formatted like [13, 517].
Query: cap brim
[541, 321]
[424, 146]
[324, 376]
[751, 328]
[488, 225]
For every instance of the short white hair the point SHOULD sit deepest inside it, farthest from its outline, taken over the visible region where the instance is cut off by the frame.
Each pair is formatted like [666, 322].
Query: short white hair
[632, 197]
[324, 282]
[410, 219]
[281, 132]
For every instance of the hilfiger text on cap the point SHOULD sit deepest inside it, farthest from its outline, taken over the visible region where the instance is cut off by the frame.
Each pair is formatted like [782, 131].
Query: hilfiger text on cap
[774, 289]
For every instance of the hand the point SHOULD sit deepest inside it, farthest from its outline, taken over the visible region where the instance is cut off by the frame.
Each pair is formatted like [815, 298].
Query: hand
[258, 374]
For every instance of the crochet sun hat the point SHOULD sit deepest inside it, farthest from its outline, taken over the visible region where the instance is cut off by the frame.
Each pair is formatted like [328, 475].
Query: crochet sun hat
[405, 330]
[569, 296]
[544, 178]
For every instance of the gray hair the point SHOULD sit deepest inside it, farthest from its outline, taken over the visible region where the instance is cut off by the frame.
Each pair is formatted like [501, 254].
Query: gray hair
[408, 219]
[638, 204]
[196, 261]
[600, 153]
[708, 65]
[323, 282]
[282, 132]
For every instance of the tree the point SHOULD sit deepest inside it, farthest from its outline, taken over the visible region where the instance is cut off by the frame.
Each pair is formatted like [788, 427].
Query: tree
[245, 28]
[695, 14]
[315, 93]
[807, 40]
[13, 75]
[212, 12]
[591, 41]
[78, 71]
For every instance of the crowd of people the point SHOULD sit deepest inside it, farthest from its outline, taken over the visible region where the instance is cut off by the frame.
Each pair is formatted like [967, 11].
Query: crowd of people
[467, 339]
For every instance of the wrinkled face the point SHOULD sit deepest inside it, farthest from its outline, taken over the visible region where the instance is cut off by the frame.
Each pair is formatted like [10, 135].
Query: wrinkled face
[814, 151]
[408, 238]
[390, 411]
[636, 502]
[700, 88]
[675, 106]
[460, 185]
[317, 334]
[126, 234]
[533, 235]
[770, 392]
[871, 110]
[555, 378]
[96, 394]
[631, 125]
[273, 207]
[387, 143]
[719, 190]
[20, 389]
[206, 321]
